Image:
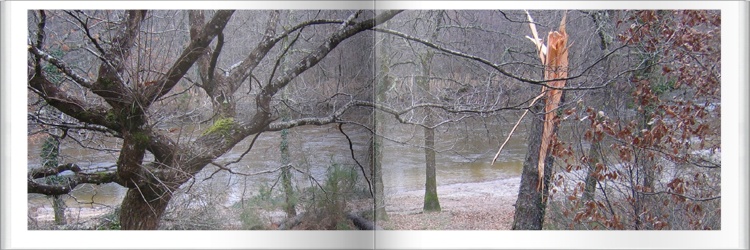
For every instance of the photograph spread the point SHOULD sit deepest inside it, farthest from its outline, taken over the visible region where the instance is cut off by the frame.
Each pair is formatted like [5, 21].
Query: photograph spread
[382, 121]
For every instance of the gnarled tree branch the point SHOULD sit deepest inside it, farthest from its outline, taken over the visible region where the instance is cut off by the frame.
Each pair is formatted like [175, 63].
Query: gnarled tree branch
[79, 177]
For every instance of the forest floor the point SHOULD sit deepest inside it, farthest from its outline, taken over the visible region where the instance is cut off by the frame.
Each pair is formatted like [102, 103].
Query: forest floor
[43, 218]
[465, 206]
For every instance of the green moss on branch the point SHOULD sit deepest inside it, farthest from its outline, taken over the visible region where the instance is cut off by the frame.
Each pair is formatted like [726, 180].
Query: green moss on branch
[223, 126]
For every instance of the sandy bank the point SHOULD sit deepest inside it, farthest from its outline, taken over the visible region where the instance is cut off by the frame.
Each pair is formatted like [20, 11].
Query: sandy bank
[465, 206]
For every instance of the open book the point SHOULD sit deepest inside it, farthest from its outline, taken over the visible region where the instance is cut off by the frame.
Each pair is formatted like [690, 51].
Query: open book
[372, 125]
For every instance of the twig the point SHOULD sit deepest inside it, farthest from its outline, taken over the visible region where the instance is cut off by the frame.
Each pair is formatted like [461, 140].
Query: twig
[351, 150]
[514, 128]
[682, 196]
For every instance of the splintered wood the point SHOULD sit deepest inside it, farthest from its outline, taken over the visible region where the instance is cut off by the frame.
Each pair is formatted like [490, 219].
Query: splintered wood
[554, 56]
[556, 68]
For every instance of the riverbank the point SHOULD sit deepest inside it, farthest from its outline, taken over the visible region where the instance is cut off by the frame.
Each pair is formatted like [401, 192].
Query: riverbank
[92, 217]
[465, 206]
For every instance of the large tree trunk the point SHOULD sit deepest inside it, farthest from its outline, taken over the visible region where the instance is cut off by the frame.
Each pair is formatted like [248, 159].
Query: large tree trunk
[431, 202]
[531, 204]
[143, 210]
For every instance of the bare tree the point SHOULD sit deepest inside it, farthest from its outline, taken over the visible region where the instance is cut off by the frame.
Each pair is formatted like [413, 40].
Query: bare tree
[118, 95]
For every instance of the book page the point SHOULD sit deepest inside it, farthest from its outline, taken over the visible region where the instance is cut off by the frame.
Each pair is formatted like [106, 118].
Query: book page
[478, 89]
[228, 128]
[374, 125]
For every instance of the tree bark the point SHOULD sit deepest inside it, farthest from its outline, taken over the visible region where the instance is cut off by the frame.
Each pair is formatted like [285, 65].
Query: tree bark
[58, 204]
[142, 208]
[289, 200]
[286, 174]
[377, 169]
[431, 202]
[531, 204]
[590, 183]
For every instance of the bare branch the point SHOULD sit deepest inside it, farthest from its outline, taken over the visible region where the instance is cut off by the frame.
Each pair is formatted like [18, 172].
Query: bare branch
[246, 66]
[71, 106]
[351, 150]
[303, 25]
[215, 57]
[334, 117]
[60, 64]
[85, 27]
[682, 196]
[50, 171]
[312, 59]
[514, 128]
[189, 55]
[499, 68]
[67, 125]
[71, 181]
[250, 147]
[40, 39]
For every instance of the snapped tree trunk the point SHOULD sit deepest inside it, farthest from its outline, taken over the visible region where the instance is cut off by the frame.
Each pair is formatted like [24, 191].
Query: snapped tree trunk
[532, 196]
[531, 204]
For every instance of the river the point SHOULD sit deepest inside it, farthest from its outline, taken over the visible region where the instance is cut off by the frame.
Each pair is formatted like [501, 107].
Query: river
[464, 152]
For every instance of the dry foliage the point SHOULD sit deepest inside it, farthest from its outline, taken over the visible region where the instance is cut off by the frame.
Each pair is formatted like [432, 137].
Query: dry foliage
[654, 160]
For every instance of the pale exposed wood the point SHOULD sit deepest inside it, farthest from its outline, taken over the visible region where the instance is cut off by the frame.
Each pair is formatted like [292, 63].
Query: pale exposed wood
[540, 47]
[554, 56]
[556, 68]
